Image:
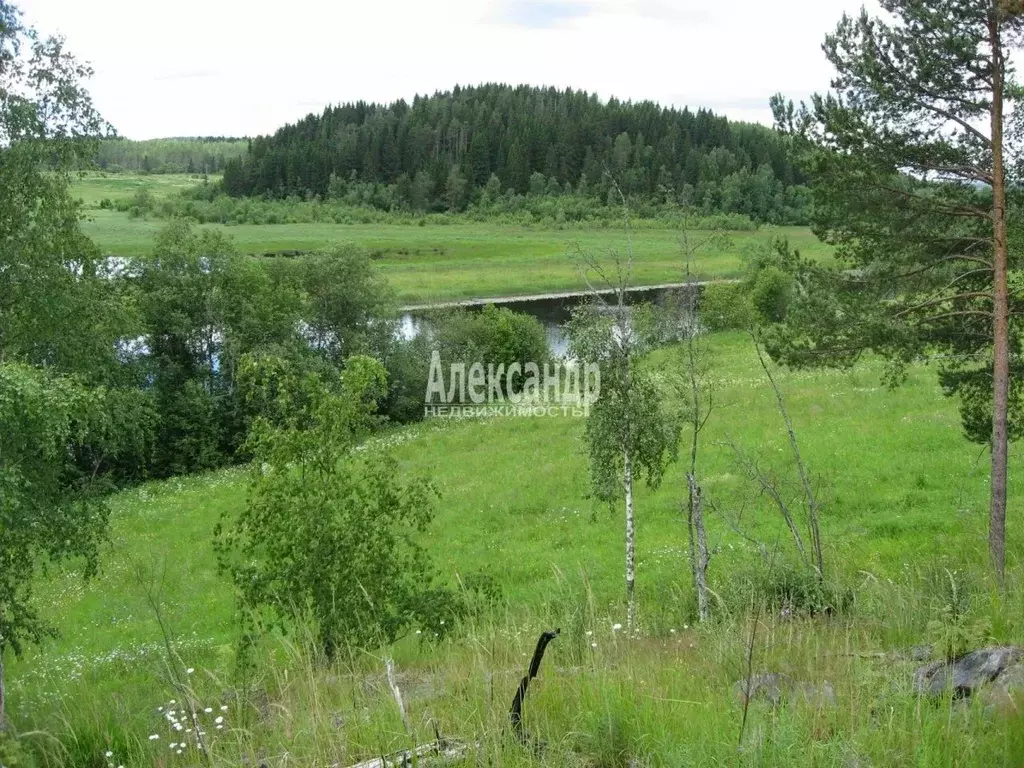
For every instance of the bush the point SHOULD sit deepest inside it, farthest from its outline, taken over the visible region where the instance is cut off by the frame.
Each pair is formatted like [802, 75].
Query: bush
[493, 336]
[408, 367]
[13, 753]
[329, 533]
[725, 307]
[797, 589]
[771, 293]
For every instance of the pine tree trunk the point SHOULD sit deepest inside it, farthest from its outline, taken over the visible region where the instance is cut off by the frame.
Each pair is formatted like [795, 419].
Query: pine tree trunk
[701, 557]
[627, 481]
[1001, 320]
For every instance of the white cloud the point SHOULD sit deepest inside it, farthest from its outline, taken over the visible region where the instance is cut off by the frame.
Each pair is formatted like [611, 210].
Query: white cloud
[202, 67]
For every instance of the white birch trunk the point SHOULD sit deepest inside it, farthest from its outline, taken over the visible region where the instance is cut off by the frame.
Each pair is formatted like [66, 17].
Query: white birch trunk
[702, 555]
[627, 482]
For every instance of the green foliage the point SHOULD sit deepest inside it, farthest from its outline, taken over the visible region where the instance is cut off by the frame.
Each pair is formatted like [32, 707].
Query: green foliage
[47, 515]
[903, 175]
[771, 293]
[408, 368]
[726, 306]
[347, 303]
[491, 336]
[956, 628]
[14, 753]
[535, 142]
[793, 590]
[630, 415]
[204, 307]
[185, 155]
[328, 532]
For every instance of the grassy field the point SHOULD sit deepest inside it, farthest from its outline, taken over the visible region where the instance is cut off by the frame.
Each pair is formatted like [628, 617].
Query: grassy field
[436, 263]
[905, 517]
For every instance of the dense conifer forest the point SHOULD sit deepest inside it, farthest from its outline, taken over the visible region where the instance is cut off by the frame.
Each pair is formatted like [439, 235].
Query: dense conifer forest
[475, 144]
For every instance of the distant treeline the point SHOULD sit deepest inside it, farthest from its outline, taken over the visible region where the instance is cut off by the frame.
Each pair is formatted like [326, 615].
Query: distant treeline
[447, 151]
[207, 154]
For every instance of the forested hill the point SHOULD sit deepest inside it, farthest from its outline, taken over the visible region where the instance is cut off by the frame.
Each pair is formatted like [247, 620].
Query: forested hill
[449, 149]
[197, 154]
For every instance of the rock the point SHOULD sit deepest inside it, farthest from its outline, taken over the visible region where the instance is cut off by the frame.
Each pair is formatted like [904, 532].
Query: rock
[1006, 694]
[767, 686]
[774, 687]
[967, 674]
[818, 696]
[921, 652]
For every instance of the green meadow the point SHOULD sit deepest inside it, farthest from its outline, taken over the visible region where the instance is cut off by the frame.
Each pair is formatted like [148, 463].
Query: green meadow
[904, 526]
[443, 262]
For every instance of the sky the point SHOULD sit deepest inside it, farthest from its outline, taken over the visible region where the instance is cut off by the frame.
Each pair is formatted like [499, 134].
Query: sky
[246, 67]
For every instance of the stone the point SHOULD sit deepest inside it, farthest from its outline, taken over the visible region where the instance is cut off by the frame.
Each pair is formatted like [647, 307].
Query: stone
[921, 652]
[1006, 694]
[967, 674]
[765, 686]
[817, 696]
[775, 687]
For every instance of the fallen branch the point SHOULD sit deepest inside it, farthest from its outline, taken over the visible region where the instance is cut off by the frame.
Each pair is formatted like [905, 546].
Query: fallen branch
[450, 750]
[516, 715]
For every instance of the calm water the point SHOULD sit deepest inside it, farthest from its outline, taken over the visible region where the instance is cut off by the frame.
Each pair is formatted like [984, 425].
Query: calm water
[553, 313]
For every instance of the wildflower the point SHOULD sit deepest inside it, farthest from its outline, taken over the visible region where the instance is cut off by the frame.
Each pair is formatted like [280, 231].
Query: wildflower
[672, 631]
[219, 720]
[189, 671]
[219, 727]
[178, 752]
[154, 736]
[109, 754]
[208, 710]
[172, 745]
[593, 645]
[590, 632]
[616, 627]
[224, 708]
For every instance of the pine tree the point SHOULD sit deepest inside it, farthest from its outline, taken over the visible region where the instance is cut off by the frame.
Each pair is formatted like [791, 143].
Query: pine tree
[911, 158]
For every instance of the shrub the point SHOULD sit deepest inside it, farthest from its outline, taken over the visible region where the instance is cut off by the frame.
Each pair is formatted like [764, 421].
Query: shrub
[329, 532]
[491, 336]
[787, 587]
[726, 306]
[408, 367]
[771, 294]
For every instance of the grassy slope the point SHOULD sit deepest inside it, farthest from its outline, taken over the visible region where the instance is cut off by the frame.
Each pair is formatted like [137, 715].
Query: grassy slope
[441, 262]
[907, 500]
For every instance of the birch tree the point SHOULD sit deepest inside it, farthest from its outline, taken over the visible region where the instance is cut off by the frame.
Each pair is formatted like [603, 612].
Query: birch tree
[630, 435]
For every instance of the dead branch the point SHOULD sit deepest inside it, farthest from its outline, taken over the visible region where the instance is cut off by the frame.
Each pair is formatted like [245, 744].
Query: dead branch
[805, 481]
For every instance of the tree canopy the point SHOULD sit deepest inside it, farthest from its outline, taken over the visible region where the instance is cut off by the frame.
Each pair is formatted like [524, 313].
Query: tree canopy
[441, 150]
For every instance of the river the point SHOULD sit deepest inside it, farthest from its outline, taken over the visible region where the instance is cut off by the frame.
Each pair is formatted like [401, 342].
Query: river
[553, 310]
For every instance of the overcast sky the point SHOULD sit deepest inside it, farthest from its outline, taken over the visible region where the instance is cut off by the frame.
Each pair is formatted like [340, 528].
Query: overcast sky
[245, 67]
